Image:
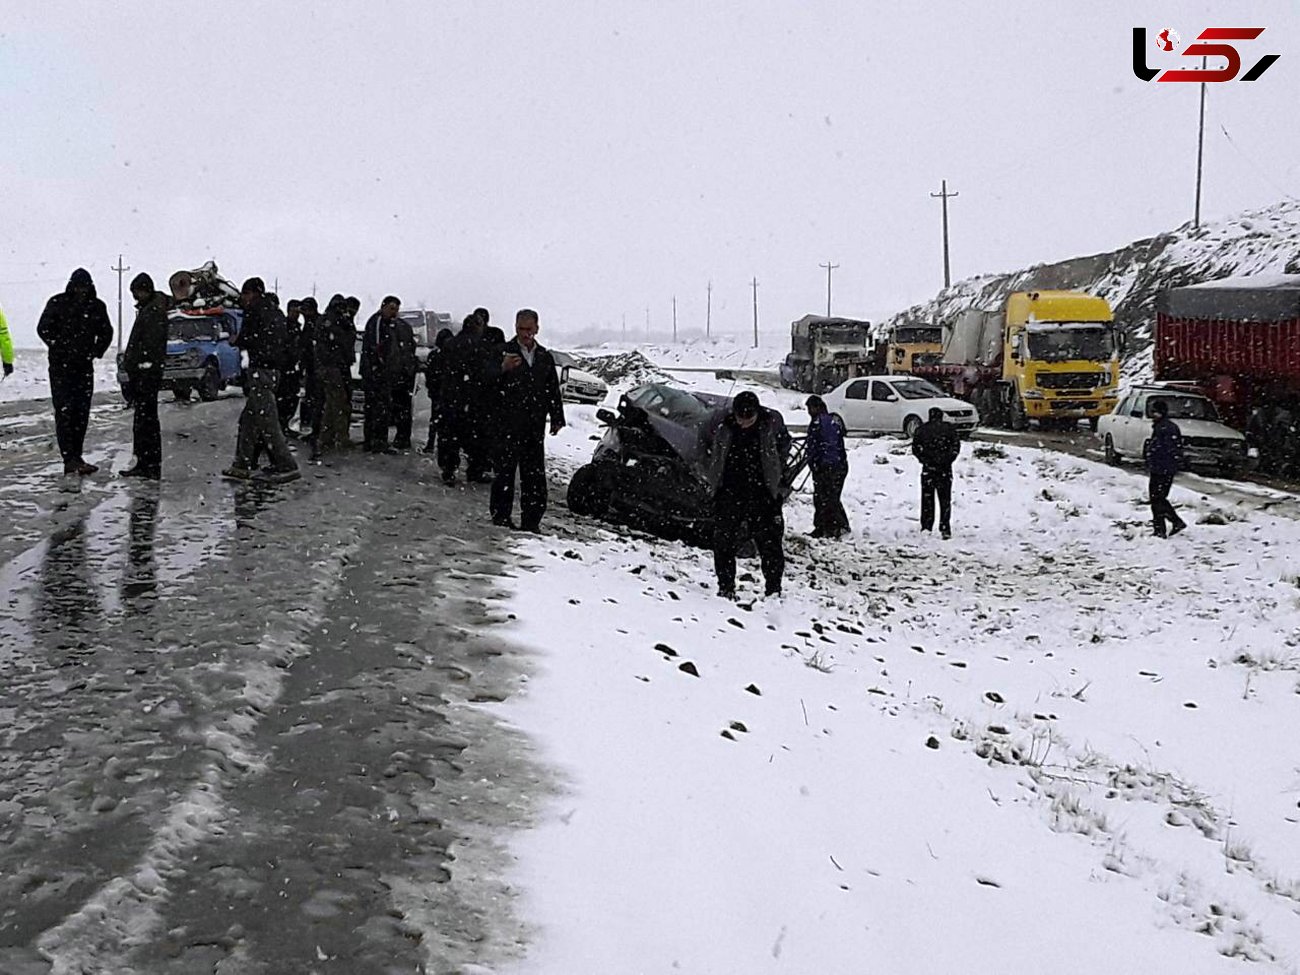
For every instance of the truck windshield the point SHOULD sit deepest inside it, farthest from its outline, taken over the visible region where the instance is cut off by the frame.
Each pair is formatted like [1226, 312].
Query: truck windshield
[842, 336]
[917, 389]
[1061, 344]
[191, 329]
[913, 336]
[1186, 407]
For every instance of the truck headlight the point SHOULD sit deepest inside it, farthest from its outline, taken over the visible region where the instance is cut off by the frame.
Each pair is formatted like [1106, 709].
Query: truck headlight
[1032, 394]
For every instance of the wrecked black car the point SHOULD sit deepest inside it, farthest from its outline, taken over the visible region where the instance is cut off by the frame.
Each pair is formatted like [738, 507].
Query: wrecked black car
[648, 471]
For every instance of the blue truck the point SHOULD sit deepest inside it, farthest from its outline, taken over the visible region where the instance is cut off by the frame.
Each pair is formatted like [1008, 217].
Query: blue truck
[200, 357]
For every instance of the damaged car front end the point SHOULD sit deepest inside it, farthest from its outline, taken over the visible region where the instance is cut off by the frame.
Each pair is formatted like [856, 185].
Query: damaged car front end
[649, 471]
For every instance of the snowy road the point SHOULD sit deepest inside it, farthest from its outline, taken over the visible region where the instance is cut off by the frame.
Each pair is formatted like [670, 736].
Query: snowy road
[242, 730]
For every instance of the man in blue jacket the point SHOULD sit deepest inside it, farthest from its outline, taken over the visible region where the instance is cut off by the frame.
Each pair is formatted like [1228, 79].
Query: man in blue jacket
[829, 462]
[1164, 460]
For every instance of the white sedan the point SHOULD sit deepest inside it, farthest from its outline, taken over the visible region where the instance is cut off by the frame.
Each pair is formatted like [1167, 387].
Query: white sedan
[1207, 441]
[578, 384]
[896, 404]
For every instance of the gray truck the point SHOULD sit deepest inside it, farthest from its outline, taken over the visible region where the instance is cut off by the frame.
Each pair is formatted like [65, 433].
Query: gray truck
[825, 352]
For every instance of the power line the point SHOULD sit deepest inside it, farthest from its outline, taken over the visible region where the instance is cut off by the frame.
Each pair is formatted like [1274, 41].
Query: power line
[1258, 171]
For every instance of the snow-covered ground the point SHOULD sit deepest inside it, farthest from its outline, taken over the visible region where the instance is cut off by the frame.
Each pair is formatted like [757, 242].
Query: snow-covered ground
[1051, 744]
[31, 377]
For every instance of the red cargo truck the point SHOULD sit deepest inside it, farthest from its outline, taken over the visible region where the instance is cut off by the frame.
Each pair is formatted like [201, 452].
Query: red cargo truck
[1237, 338]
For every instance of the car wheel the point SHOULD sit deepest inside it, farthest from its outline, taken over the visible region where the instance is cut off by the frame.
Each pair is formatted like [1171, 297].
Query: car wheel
[182, 392]
[210, 384]
[910, 426]
[588, 492]
[1112, 455]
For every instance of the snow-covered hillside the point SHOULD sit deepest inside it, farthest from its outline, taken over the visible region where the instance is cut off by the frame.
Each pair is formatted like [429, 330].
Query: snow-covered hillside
[1131, 278]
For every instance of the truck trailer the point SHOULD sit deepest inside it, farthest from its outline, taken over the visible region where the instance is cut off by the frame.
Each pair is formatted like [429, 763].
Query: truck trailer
[1050, 357]
[824, 352]
[1237, 339]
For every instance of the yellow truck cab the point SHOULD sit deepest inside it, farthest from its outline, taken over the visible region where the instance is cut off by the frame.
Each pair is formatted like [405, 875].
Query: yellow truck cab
[913, 346]
[1060, 358]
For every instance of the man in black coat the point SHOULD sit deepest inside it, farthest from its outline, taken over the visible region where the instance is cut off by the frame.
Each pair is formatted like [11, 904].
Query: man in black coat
[75, 327]
[401, 366]
[936, 445]
[290, 384]
[264, 337]
[307, 365]
[434, 366]
[467, 384]
[1164, 460]
[529, 388]
[146, 352]
[376, 375]
[746, 449]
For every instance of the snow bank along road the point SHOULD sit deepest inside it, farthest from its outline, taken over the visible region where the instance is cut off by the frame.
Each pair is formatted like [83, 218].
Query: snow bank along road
[1052, 744]
[243, 731]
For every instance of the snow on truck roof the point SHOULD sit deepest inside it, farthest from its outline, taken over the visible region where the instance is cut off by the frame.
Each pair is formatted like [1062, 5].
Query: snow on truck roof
[1253, 297]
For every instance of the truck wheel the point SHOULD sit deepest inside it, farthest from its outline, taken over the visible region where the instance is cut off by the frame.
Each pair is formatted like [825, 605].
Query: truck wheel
[910, 426]
[588, 494]
[182, 392]
[1112, 455]
[1092, 423]
[210, 384]
[1019, 419]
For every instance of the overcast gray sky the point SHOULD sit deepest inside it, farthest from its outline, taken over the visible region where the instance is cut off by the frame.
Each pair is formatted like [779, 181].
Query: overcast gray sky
[593, 159]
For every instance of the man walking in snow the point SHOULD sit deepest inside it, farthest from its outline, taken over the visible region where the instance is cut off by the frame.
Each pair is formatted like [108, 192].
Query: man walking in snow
[529, 391]
[146, 351]
[1164, 460]
[745, 449]
[936, 445]
[829, 462]
[75, 327]
[264, 338]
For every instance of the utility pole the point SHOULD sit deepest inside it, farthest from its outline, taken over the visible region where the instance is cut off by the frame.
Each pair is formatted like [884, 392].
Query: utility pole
[944, 195]
[754, 285]
[120, 269]
[674, 319]
[829, 268]
[708, 311]
[1200, 151]
[624, 326]
[647, 323]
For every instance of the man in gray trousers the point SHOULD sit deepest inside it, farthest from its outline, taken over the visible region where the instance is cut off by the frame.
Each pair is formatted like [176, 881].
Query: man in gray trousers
[264, 337]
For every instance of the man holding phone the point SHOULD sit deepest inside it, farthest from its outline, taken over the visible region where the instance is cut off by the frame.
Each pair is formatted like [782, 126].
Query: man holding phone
[529, 395]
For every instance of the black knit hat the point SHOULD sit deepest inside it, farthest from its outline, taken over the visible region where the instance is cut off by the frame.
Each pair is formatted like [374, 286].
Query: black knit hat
[745, 404]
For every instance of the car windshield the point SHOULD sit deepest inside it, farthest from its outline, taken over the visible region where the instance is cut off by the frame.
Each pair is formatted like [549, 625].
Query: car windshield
[191, 329]
[912, 336]
[671, 403]
[1186, 407]
[1061, 344]
[917, 389]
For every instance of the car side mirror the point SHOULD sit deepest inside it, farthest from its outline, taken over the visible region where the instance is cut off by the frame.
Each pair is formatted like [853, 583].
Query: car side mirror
[606, 416]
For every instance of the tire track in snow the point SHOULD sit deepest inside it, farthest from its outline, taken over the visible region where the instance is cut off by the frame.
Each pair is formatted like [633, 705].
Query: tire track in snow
[126, 912]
